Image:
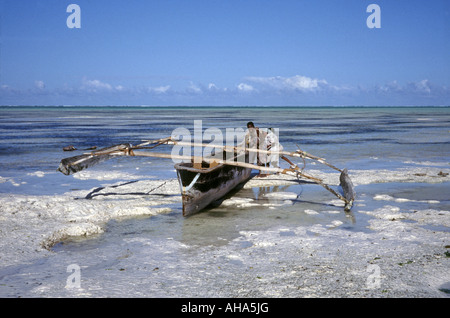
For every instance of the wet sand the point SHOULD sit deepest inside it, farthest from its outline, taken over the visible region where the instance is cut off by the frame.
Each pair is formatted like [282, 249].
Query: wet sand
[275, 237]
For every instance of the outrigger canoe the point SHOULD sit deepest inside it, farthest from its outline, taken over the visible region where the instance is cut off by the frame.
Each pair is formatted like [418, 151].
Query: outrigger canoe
[201, 186]
[204, 180]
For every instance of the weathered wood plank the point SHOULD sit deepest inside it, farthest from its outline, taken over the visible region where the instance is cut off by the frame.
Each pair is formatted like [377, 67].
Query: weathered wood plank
[77, 163]
[348, 189]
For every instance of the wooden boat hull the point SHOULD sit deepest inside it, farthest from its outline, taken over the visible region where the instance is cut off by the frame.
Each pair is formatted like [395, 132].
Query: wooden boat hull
[201, 187]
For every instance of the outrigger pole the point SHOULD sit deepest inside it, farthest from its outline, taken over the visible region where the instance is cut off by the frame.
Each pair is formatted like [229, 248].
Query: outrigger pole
[78, 163]
[298, 153]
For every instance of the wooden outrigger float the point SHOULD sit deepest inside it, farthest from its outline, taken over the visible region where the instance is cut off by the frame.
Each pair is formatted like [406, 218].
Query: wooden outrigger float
[204, 180]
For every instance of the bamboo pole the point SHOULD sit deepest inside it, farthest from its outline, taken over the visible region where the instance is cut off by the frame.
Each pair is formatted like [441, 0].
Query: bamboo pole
[240, 164]
[234, 148]
[127, 150]
[299, 153]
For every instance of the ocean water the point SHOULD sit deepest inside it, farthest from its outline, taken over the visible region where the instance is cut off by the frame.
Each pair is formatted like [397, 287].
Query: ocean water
[366, 140]
[32, 138]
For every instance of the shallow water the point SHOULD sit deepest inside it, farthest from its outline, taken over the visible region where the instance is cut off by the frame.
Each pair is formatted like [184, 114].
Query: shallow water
[167, 255]
[32, 138]
[218, 225]
[159, 256]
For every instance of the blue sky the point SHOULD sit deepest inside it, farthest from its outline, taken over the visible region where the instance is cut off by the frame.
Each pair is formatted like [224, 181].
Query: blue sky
[224, 52]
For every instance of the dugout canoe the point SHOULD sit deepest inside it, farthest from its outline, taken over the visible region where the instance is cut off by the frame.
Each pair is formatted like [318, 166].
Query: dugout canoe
[201, 186]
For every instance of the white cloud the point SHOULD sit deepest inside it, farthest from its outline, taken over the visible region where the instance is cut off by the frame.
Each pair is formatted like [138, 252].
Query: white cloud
[390, 87]
[304, 83]
[159, 89]
[274, 90]
[212, 86]
[297, 82]
[95, 85]
[214, 89]
[245, 87]
[423, 86]
[39, 84]
[194, 88]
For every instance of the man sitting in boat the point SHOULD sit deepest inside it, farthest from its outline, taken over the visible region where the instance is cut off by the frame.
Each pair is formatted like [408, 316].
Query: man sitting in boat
[255, 139]
[273, 144]
[252, 140]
